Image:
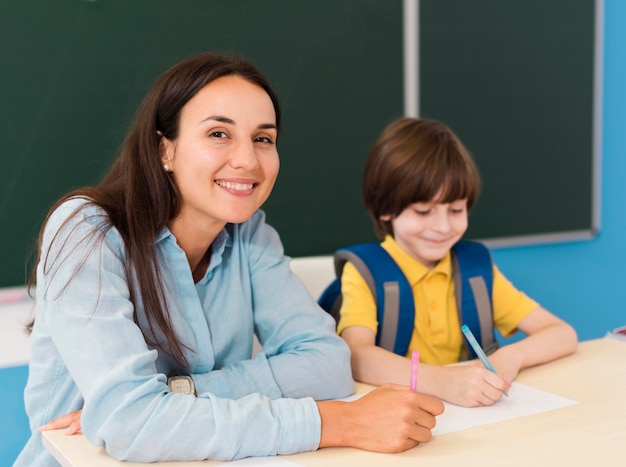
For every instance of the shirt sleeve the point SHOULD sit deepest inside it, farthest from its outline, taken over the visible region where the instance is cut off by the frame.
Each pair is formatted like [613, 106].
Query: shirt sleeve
[510, 306]
[304, 352]
[85, 307]
[358, 307]
[302, 355]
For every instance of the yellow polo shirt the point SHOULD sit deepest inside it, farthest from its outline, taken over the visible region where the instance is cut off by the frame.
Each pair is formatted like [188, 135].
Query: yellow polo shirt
[436, 333]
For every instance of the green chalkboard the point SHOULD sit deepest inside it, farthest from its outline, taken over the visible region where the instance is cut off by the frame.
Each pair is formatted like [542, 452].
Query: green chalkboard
[74, 71]
[515, 81]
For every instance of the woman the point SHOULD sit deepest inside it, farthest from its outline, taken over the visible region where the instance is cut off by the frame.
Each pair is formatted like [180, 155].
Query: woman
[151, 286]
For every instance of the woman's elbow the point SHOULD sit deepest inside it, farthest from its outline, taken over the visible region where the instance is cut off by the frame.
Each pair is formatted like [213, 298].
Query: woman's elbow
[340, 371]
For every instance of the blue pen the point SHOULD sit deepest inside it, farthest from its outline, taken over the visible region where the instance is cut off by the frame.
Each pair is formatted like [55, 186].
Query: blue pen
[478, 350]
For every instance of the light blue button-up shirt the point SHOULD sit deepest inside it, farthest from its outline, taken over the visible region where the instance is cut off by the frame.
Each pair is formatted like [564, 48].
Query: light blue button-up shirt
[87, 351]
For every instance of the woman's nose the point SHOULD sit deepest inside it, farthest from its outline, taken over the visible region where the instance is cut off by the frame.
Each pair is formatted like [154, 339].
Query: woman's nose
[244, 156]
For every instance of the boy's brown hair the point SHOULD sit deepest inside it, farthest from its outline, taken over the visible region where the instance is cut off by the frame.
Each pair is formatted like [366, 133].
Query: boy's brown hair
[415, 160]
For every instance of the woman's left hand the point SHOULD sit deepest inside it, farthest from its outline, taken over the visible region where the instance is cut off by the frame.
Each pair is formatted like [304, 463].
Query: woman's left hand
[69, 421]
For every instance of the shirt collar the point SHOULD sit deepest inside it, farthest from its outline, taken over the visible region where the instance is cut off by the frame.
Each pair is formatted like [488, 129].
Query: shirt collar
[221, 242]
[412, 268]
[223, 239]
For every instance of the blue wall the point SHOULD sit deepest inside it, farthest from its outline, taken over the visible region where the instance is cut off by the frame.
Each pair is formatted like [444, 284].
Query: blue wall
[583, 282]
[14, 429]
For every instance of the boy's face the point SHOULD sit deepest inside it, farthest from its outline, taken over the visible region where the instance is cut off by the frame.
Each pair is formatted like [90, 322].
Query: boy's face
[427, 231]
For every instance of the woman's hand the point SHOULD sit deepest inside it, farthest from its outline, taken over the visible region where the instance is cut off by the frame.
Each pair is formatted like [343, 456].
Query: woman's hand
[70, 421]
[391, 418]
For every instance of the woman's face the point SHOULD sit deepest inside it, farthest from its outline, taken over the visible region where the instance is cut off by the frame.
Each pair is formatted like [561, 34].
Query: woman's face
[224, 160]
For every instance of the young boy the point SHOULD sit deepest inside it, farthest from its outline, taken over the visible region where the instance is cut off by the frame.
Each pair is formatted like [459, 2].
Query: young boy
[419, 184]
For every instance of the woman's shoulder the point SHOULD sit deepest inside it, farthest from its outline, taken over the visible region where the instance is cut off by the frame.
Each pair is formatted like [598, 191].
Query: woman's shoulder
[77, 210]
[80, 205]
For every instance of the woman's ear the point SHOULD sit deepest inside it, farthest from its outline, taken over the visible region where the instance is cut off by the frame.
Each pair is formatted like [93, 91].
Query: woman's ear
[385, 217]
[166, 152]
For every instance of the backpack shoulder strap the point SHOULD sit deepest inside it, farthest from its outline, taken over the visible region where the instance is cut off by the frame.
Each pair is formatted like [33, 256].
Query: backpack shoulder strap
[391, 290]
[473, 282]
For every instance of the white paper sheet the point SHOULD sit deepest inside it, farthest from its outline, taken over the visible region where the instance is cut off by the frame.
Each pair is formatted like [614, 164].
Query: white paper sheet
[523, 400]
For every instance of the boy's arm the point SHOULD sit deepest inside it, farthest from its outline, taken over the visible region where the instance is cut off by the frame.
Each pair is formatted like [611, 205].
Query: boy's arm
[549, 338]
[465, 385]
[372, 364]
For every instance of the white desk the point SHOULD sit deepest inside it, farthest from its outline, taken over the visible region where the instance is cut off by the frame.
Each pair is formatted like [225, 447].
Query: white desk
[592, 432]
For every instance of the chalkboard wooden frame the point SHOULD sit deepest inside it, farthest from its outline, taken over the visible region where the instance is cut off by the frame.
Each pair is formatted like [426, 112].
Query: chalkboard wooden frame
[75, 71]
[521, 84]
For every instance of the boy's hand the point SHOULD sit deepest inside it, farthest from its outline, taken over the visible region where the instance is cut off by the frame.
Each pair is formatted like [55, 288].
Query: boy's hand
[506, 362]
[471, 385]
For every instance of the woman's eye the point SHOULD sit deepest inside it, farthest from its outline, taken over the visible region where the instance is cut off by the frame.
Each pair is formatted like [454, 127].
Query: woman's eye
[217, 134]
[422, 212]
[264, 139]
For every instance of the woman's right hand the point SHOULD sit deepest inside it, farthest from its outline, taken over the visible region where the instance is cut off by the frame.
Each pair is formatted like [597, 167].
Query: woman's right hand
[69, 421]
[391, 418]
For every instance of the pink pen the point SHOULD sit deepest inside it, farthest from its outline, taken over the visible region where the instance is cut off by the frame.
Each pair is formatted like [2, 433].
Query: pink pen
[415, 364]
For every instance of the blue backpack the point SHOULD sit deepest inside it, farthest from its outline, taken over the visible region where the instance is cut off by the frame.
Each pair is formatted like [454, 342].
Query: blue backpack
[473, 282]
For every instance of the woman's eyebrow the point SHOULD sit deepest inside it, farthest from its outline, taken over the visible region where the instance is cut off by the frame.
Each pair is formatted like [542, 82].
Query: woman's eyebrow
[220, 118]
[267, 126]
[230, 121]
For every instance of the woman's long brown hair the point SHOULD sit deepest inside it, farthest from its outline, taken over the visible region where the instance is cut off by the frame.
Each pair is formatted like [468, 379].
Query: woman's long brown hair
[140, 198]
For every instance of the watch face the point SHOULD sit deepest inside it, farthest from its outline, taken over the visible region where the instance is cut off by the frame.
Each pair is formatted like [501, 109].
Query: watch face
[180, 385]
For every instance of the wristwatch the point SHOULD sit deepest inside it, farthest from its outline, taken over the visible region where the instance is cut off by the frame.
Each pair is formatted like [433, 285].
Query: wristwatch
[181, 385]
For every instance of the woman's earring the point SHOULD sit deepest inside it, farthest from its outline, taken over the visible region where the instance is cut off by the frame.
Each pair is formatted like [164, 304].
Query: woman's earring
[166, 167]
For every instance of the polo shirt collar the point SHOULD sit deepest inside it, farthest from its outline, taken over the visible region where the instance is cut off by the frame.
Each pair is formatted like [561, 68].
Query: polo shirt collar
[412, 268]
